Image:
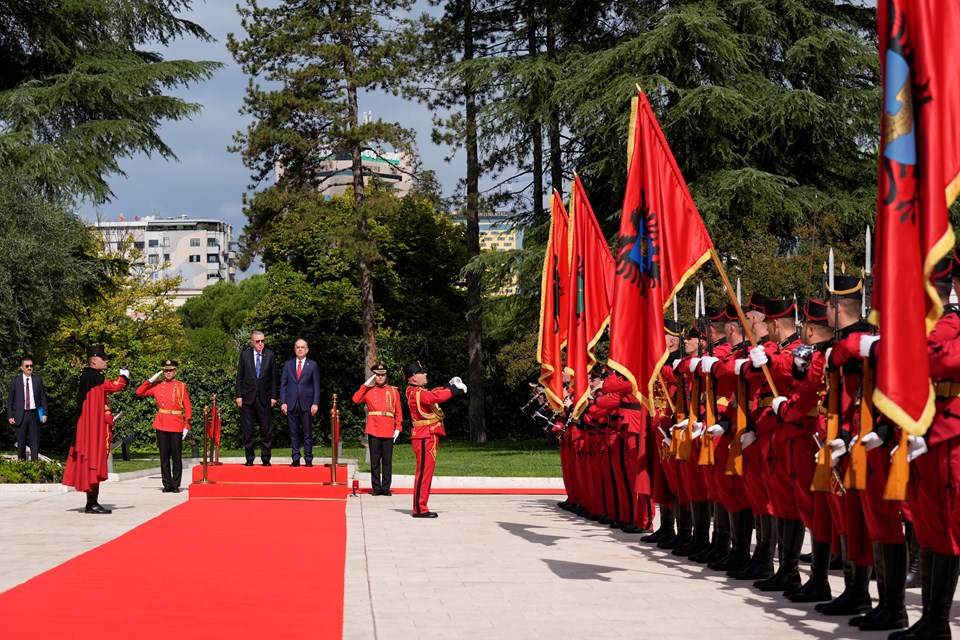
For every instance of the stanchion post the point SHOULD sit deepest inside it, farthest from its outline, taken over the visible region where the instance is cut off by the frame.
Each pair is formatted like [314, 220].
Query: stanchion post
[335, 439]
[206, 425]
[215, 445]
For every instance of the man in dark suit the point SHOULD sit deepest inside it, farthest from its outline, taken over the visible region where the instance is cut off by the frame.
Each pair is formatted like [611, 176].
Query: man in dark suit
[256, 396]
[26, 403]
[299, 400]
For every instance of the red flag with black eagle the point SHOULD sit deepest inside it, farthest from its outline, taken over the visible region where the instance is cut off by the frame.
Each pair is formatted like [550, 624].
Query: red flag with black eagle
[919, 177]
[662, 243]
[553, 310]
[213, 428]
[589, 293]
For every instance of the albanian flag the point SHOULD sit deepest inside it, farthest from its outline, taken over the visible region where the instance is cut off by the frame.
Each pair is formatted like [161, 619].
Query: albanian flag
[553, 316]
[662, 243]
[919, 177]
[589, 293]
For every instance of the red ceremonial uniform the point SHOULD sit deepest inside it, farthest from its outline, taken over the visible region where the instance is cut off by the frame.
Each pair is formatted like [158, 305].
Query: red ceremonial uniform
[721, 350]
[689, 473]
[731, 491]
[427, 419]
[173, 404]
[384, 410]
[87, 461]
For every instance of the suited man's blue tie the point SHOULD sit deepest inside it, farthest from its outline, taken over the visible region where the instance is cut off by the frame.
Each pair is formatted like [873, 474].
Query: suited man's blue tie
[258, 365]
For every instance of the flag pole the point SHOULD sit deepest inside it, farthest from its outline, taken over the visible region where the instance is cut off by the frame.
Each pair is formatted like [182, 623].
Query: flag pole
[743, 318]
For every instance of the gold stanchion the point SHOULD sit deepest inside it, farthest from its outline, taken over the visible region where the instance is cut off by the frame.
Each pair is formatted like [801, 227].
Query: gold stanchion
[335, 439]
[206, 425]
[215, 428]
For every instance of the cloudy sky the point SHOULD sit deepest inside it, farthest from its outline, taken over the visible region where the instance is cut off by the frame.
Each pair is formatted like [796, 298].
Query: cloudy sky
[208, 181]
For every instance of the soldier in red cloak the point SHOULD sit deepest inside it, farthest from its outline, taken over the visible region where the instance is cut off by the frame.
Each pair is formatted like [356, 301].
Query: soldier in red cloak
[87, 461]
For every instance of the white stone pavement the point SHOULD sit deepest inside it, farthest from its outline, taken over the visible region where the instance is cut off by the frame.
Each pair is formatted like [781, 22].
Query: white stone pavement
[491, 566]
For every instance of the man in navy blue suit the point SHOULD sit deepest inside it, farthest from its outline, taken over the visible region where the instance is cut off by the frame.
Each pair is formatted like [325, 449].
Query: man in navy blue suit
[299, 400]
[26, 402]
[256, 396]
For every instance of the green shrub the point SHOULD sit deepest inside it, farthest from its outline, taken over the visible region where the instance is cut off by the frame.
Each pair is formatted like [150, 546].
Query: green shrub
[28, 472]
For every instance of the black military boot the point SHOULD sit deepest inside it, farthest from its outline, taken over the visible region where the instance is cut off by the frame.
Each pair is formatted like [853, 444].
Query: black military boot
[684, 535]
[880, 575]
[701, 530]
[721, 537]
[817, 588]
[943, 584]
[926, 578]
[741, 527]
[913, 564]
[93, 505]
[893, 614]
[854, 599]
[760, 566]
[666, 529]
[787, 577]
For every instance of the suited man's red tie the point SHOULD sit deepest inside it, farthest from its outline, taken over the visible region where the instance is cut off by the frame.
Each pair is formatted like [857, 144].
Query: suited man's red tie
[299, 368]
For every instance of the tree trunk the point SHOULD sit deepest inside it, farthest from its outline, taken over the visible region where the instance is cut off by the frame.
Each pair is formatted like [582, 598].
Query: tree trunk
[553, 126]
[478, 426]
[536, 129]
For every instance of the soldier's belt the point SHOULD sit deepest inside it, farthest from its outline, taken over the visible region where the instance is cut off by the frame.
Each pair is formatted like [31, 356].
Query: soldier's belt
[636, 406]
[423, 423]
[389, 414]
[948, 389]
[170, 412]
[765, 401]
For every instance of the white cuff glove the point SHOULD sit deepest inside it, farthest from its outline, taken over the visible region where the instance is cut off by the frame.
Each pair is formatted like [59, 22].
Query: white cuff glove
[185, 432]
[396, 432]
[715, 430]
[747, 439]
[458, 383]
[694, 363]
[667, 442]
[758, 357]
[866, 343]
[871, 441]
[697, 430]
[738, 365]
[916, 447]
[707, 362]
[125, 373]
[156, 376]
[682, 424]
[370, 381]
[777, 403]
[837, 449]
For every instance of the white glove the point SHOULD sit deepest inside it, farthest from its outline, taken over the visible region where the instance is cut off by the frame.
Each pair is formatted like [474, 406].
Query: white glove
[185, 432]
[866, 343]
[697, 430]
[715, 430]
[826, 355]
[396, 432]
[837, 449]
[747, 439]
[458, 383]
[758, 357]
[694, 363]
[738, 365]
[125, 373]
[682, 424]
[675, 363]
[667, 442]
[370, 381]
[707, 362]
[871, 441]
[916, 447]
[777, 403]
[156, 376]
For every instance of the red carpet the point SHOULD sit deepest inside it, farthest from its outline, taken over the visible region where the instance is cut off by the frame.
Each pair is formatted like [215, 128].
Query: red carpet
[206, 569]
[541, 491]
[238, 481]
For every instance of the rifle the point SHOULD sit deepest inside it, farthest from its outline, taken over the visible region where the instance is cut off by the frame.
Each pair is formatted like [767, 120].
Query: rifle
[856, 476]
[685, 437]
[822, 476]
[735, 460]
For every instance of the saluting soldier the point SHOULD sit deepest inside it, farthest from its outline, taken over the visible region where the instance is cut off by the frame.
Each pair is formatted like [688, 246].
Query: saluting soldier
[172, 422]
[384, 424]
[427, 420]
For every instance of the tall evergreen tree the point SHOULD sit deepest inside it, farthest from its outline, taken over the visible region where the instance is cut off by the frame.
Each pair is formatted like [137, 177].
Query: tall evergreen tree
[316, 57]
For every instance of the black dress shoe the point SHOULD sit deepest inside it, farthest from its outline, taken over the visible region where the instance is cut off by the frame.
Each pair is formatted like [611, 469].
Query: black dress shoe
[267, 464]
[165, 490]
[295, 463]
[425, 514]
[308, 463]
[96, 508]
[386, 492]
[248, 463]
[175, 490]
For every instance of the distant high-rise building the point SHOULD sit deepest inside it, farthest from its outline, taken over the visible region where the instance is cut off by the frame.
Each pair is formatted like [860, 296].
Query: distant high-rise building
[497, 233]
[335, 173]
[201, 251]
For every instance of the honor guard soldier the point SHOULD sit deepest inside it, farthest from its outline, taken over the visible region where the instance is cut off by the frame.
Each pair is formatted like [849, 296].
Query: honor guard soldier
[384, 423]
[172, 422]
[427, 419]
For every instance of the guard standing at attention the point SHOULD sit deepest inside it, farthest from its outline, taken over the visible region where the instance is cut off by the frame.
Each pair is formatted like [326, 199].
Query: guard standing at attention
[384, 423]
[172, 422]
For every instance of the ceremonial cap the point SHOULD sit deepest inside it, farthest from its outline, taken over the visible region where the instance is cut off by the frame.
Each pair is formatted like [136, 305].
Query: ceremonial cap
[169, 365]
[956, 264]
[846, 286]
[730, 313]
[413, 369]
[716, 314]
[96, 350]
[673, 327]
[816, 312]
[778, 308]
[379, 368]
[758, 302]
[943, 270]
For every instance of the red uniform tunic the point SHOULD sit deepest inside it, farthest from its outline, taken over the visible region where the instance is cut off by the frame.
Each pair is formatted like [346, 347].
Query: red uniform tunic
[384, 410]
[721, 350]
[668, 465]
[689, 473]
[427, 420]
[173, 404]
[731, 491]
[87, 461]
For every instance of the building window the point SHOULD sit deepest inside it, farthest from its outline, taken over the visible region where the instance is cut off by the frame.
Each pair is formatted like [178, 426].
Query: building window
[195, 258]
[138, 246]
[211, 242]
[166, 257]
[213, 258]
[154, 243]
[153, 258]
[194, 242]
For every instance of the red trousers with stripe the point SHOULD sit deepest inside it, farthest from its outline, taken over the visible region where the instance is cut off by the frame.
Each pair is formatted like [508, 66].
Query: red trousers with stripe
[425, 451]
